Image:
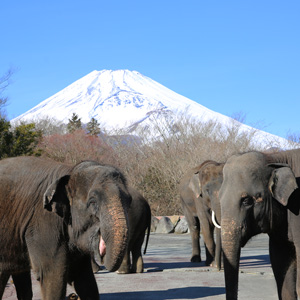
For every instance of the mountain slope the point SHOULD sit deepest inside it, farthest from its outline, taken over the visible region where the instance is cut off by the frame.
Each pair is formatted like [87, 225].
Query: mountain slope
[123, 98]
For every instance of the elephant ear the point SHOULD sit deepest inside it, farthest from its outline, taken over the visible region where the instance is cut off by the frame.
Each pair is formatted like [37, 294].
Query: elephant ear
[55, 198]
[282, 184]
[195, 184]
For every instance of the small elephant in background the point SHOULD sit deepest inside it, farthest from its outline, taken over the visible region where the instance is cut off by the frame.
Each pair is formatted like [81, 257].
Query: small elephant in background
[139, 221]
[199, 198]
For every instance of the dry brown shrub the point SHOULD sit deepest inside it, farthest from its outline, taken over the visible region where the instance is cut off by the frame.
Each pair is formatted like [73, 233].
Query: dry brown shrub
[156, 163]
[155, 159]
[74, 147]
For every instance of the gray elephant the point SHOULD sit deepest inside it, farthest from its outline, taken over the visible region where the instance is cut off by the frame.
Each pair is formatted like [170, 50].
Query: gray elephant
[199, 198]
[260, 194]
[139, 221]
[49, 215]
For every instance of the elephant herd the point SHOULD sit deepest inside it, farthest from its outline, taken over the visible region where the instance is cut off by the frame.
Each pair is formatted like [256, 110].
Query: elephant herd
[55, 217]
[249, 194]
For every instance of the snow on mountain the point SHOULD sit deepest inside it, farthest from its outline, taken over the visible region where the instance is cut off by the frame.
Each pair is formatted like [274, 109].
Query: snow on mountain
[122, 98]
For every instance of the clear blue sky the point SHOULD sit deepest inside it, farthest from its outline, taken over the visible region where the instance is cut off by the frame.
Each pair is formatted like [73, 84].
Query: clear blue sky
[234, 57]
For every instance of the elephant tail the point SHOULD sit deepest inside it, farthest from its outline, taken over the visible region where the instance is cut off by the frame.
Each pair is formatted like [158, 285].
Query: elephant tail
[147, 239]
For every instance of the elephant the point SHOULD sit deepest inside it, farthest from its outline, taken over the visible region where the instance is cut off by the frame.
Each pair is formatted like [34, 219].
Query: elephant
[139, 217]
[260, 194]
[139, 221]
[199, 197]
[49, 215]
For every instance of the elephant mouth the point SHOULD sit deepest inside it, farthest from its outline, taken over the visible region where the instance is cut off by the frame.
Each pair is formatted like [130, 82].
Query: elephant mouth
[102, 249]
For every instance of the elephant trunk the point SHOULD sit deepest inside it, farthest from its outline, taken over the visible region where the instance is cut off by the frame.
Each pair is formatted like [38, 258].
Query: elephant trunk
[218, 258]
[216, 208]
[114, 235]
[231, 247]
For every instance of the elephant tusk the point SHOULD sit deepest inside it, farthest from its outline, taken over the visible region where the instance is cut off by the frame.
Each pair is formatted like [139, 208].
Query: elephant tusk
[213, 217]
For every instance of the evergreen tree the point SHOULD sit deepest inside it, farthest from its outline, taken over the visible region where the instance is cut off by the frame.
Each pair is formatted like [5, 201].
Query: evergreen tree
[6, 138]
[21, 140]
[74, 123]
[25, 140]
[93, 127]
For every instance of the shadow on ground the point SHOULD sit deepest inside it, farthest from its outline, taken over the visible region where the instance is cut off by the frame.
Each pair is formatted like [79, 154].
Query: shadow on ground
[180, 293]
[255, 262]
[245, 262]
[171, 265]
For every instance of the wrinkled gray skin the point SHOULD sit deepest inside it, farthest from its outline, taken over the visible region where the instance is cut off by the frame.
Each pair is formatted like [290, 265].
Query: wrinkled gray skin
[49, 215]
[199, 196]
[260, 194]
[139, 221]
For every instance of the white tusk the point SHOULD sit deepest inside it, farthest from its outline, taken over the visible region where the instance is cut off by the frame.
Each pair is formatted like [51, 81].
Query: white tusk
[213, 217]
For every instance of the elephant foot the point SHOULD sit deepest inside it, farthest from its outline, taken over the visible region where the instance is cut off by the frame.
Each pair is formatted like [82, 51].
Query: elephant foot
[196, 259]
[215, 265]
[123, 271]
[210, 262]
[137, 270]
[96, 268]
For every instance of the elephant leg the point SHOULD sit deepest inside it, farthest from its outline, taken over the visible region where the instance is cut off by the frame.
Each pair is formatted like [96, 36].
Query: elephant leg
[83, 279]
[282, 256]
[289, 289]
[195, 234]
[51, 273]
[53, 285]
[208, 236]
[194, 226]
[295, 224]
[298, 272]
[3, 281]
[125, 265]
[22, 282]
[137, 265]
[137, 262]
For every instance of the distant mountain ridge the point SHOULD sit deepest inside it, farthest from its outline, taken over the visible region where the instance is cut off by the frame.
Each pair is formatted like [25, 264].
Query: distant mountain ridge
[125, 99]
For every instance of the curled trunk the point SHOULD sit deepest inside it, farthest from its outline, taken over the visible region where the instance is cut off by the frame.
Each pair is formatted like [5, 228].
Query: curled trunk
[231, 247]
[114, 233]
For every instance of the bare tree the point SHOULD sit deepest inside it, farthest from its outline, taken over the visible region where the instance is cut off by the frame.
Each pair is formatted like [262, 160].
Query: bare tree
[5, 81]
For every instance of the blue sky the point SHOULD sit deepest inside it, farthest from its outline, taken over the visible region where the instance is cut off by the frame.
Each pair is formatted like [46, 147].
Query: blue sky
[234, 57]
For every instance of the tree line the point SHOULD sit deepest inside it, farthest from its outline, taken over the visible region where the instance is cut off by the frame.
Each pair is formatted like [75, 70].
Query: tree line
[153, 161]
[23, 139]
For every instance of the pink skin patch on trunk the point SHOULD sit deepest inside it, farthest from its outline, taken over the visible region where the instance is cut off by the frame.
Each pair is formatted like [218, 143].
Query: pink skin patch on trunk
[102, 247]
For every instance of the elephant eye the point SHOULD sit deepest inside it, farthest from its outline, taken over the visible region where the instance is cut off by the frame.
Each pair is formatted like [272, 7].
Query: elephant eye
[92, 204]
[247, 200]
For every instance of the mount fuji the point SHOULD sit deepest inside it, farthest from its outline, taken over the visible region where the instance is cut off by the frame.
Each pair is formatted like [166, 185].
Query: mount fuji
[127, 99]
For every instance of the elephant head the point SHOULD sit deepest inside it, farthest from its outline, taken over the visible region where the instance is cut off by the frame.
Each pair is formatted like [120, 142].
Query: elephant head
[94, 200]
[211, 178]
[206, 183]
[251, 186]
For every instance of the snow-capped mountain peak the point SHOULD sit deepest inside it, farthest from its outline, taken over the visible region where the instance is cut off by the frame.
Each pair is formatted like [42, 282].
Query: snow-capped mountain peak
[122, 98]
